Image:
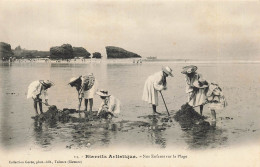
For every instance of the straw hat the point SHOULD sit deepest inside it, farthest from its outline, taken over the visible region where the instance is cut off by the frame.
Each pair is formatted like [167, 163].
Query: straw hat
[167, 70]
[46, 83]
[189, 69]
[73, 79]
[103, 93]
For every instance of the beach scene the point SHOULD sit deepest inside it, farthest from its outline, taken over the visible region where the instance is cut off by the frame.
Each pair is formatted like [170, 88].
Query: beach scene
[167, 83]
[135, 126]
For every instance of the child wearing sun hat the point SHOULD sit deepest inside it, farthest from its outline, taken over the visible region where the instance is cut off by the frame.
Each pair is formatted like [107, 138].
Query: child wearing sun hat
[37, 90]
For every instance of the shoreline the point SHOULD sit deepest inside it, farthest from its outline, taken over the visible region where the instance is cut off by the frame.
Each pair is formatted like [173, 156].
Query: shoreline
[129, 61]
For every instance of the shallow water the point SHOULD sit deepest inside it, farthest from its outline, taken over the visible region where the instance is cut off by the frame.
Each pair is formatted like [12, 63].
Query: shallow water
[238, 123]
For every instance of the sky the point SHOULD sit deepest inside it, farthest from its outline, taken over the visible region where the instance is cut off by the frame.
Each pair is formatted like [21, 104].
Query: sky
[166, 29]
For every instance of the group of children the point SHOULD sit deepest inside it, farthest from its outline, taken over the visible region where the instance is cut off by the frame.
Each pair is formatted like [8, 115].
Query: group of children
[200, 92]
[86, 87]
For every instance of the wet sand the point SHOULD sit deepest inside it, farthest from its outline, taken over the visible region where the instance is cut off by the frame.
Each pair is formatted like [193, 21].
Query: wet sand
[135, 126]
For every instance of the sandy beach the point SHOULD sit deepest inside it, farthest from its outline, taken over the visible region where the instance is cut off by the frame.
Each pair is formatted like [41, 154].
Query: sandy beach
[237, 124]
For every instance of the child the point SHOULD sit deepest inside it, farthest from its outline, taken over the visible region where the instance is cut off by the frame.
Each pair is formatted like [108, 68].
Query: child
[109, 106]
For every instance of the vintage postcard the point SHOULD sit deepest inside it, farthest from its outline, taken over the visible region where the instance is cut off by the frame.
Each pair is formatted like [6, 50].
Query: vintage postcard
[129, 83]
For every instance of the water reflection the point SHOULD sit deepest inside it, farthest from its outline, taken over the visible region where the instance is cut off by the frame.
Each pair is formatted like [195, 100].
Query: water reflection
[88, 134]
[156, 126]
[201, 136]
[156, 132]
[43, 132]
[83, 132]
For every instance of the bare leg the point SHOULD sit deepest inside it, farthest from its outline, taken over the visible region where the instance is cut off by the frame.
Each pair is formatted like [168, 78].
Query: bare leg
[90, 104]
[213, 113]
[201, 109]
[86, 105]
[80, 100]
[154, 109]
[40, 105]
[35, 107]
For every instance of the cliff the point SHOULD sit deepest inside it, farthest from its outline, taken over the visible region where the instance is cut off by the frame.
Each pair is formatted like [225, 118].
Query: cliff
[116, 52]
[81, 52]
[5, 51]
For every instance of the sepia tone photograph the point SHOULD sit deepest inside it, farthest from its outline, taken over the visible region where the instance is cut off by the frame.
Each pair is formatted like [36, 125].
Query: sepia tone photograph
[129, 83]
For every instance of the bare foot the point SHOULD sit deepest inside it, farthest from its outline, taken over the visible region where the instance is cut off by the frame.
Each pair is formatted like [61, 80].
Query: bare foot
[155, 112]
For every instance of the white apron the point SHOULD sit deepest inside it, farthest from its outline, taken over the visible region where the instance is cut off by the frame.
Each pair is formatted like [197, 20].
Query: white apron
[153, 84]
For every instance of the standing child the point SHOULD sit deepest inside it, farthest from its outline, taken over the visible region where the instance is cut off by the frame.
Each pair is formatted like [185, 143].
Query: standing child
[86, 87]
[153, 84]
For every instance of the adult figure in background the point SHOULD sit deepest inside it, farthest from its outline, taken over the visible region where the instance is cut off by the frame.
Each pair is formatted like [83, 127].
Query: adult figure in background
[37, 90]
[86, 87]
[110, 104]
[153, 84]
[196, 87]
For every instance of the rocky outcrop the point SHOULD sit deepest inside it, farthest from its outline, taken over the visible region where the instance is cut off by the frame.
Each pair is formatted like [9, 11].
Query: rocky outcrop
[116, 52]
[5, 51]
[64, 51]
[96, 55]
[81, 52]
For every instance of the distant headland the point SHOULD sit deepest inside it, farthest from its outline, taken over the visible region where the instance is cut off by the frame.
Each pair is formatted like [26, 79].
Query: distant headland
[65, 51]
[116, 52]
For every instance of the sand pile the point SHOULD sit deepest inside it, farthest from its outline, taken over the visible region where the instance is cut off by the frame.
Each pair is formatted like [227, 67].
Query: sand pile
[105, 115]
[53, 114]
[187, 113]
[69, 111]
[188, 117]
[66, 115]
